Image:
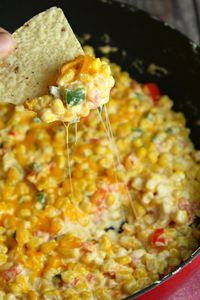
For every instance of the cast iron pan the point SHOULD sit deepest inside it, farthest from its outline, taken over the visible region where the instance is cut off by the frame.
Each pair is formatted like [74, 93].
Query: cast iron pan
[141, 40]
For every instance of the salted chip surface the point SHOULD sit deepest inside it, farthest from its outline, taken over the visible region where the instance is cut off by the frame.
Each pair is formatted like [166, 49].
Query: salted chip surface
[43, 44]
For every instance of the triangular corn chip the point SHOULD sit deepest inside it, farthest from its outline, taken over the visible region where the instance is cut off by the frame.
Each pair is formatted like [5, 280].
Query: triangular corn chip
[43, 44]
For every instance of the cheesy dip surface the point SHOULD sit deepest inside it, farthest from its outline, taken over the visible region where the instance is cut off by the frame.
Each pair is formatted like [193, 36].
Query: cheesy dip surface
[82, 84]
[120, 225]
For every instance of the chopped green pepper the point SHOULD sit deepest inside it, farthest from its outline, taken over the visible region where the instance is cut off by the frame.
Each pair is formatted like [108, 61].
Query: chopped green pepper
[139, 96]
[137, 132]
[34, 167]
[156, 138]
[150, 116]
[41, 198]
[74, 97]
[171, 130]
[36, 120]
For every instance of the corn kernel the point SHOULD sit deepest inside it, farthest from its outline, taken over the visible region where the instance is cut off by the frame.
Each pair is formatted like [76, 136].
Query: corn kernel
[129, 242]
[58, 107]
[163, 160]
[3, 258]
[13, 174]
[111, 199]
[105, 242]
[181, 217]
[137, 143]
[48, 116]
[130, 286]
[153, 157]
[67, 77]
[48, 247]
[86, 295]
[22, 188]
[89, 50]
[124, 260]
[25, 213]
[140, 210]
[22, 236]
[101, 294]
[141, 152]
[32, 295]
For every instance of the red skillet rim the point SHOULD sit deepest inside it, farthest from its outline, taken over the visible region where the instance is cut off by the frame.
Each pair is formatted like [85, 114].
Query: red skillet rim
[166, 277]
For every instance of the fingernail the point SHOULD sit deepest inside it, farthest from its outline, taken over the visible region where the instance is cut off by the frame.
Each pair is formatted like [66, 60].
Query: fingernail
[7, 44]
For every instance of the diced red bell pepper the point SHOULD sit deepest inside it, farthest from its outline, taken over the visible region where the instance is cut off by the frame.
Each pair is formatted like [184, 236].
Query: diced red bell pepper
[129, 184]
[99, 197]
[94, 140]
[10, 274]
[111, 274]
[12, 133]
[153, 90]
[75, 282]
[157, 240]
[88, 246]
[90, 277]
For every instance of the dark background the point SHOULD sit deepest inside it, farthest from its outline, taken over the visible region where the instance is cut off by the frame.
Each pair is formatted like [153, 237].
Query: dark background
[182, 14]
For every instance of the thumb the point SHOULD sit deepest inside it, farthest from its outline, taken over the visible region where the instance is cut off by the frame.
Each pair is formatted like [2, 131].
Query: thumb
[7, 43]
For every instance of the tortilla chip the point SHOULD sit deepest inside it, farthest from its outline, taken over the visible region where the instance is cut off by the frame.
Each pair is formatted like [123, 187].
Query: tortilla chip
[43, 44]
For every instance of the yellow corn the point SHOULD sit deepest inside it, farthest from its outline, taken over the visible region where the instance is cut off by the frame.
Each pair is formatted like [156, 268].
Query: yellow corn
[141, 152]
[124, 260]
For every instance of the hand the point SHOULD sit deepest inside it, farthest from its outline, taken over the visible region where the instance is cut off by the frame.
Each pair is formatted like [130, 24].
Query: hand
[7, 43]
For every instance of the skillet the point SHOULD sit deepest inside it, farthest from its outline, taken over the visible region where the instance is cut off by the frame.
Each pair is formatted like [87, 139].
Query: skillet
[141, 40]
